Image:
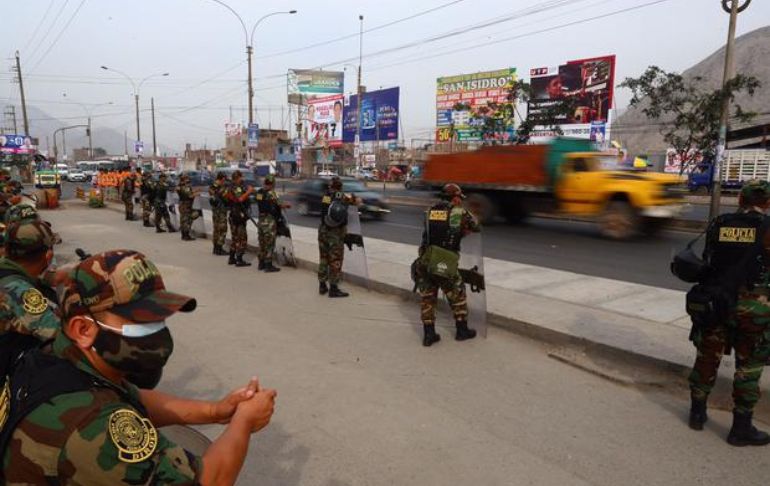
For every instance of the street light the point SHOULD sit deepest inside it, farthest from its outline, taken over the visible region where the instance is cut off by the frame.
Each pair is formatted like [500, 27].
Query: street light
[136, 87]
[89, 112]
[733, 7]
[358, 108]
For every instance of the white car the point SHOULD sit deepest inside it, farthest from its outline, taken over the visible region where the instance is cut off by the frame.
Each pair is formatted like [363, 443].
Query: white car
[327, 173]
[76, 175]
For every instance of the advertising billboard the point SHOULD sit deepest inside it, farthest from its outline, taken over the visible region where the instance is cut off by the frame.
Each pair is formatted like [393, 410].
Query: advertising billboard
[305, 85]
[252, 137]
[324, 121]
[379, 116]
[16, 144]
[459, 99]
[589, 83]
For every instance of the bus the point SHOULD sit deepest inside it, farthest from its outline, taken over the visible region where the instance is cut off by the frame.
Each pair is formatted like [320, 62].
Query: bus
[91, 168]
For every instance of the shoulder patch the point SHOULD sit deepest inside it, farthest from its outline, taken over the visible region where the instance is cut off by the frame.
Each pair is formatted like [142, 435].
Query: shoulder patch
[438, 215]
[134, 436]
[34, 302]
[326, 199]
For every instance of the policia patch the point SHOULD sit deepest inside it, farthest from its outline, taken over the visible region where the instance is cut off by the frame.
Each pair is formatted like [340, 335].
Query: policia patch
[737, 235]
[34, 302]
[134, 436]
[5, 403]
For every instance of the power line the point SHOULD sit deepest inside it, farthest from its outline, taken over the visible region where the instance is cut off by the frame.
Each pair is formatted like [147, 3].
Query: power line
[74, 14]
[50, 28]
[39, 24]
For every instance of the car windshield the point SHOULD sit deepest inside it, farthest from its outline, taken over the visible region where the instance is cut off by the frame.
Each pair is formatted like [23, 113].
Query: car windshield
[353, 186]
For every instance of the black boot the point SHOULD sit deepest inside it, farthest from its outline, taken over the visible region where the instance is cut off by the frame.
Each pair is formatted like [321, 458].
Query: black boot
[218, 250]
[158, 229]
[335, 292]
[270, 268]
[147, 224]
[698, 415]
[171, 229]
[261, 265]
[239, 261]
[232, 260]
[744, 433]
[430, 336]
[463, 333]
[190, 237]
[322, 288]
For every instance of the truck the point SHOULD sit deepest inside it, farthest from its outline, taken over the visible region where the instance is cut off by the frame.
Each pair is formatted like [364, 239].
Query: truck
[563, 178]
[739, 167]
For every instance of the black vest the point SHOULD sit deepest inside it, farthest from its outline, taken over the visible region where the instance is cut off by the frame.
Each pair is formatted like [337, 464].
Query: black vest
[440, 232]
[731, 239]
[267, 204]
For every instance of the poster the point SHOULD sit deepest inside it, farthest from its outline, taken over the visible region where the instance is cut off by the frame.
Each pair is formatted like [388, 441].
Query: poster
[462, 104]
[253, 136]
[379, 116]
[305, 85]
[323, 124]
[16, 144]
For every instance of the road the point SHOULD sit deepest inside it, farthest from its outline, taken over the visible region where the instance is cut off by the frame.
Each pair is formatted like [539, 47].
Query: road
[361, 402]
[558, 244]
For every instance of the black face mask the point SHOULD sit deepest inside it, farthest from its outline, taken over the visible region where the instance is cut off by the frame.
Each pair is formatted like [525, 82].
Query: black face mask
[141, 359]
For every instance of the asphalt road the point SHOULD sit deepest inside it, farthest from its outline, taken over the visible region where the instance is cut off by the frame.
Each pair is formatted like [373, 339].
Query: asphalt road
[563, 245]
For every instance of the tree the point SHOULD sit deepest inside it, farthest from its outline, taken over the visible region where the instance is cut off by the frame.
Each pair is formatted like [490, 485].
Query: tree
[689, 113]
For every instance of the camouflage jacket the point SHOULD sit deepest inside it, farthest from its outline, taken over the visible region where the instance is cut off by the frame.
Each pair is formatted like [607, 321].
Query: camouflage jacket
[93, 438]
[186, 193]
[217, 196]
[461, 221]
[23, 306]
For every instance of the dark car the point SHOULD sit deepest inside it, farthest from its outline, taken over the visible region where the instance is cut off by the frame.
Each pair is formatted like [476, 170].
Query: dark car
[199, 178]
[310, 194]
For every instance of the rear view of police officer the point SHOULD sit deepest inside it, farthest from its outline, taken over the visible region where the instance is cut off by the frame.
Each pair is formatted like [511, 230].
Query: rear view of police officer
[732, 309]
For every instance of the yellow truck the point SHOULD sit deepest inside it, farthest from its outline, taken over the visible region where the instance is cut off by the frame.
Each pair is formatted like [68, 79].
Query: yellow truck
[563, 178]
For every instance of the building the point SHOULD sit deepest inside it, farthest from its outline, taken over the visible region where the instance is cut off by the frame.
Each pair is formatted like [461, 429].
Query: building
[269, 139]
[200, 158]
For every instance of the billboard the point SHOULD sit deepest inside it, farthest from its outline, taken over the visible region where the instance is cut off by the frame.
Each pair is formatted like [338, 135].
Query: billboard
[16, 144]
[379, 116]
[472, 91]
[589, 83]
[323, 124]
[305, 85]
[253, 136]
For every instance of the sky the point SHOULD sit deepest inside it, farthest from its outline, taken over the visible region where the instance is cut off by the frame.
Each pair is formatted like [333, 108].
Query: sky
[201, 44]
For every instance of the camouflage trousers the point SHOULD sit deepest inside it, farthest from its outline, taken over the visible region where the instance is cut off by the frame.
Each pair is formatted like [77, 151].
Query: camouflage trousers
[128, 202]
[331, 251]
[454, 290]
[146, 209]
[220, 226]
[161, 213]
[238, 234]
[185, 216]
[268, 231]
[750, 332]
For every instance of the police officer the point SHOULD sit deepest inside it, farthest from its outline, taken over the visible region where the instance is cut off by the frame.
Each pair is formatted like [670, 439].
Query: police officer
[446, 223]
[738, 252]
[147, 190]
[270, 217]
[160, 194]
[90, 403]
[238, 198]
[127, 187]
[331, 238]
[186, 198]
[218, 201]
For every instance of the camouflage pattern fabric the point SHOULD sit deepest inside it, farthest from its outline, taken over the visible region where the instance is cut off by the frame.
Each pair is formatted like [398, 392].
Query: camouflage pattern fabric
[147, 186]
[219, 212]
[454, 290]
[186, 198]
[127, 195]
[239, 236]
[27, 237]
[161, 209]
[331, 253]
[21, 212]
[238, 217]
[750, 330]
[268, 231]
[73, 440]
[23, 307]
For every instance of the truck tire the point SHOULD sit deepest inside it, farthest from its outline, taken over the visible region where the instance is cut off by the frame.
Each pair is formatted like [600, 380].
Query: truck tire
[619, 221]
[515, 212]
[482, 207]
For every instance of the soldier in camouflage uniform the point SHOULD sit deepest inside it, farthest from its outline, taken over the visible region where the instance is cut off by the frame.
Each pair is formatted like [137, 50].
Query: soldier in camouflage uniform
[331, 241]
[160, 193]
[147, 190]
[128, 186]
[446, 224]
[218, 201]
[93, 398]
[186, 198]
[238, 198]
[748, 327]
[270, 216]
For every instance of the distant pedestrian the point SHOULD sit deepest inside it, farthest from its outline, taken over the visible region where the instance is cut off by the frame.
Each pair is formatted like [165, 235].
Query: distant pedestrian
[186, 198]
[270, 216]
[160, 195]
[218, 201]
[128, 186]
[331, 238]
[238, 197]
[147, 190]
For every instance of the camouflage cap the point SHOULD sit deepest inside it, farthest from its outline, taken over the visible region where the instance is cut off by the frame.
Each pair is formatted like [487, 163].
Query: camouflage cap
[123, 282]
[756, 189]
[20, 212]
[28, 236]
[270, 179]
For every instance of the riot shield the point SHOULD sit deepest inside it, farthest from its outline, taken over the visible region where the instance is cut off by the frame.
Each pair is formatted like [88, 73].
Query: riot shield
[172, 202]
[284, 247]
[355, 265]
[472, 271]
[199, 222]
[188, 438]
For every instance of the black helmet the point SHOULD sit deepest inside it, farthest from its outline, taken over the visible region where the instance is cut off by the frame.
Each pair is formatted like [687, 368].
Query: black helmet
[451, 191]
[335, 183]
[336, 215]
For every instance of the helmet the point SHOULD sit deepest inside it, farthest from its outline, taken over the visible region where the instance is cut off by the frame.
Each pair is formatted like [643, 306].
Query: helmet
[451, 191]
[270, 179]
[754, 191]
[335, 183]
[20, 212]
[336, 215]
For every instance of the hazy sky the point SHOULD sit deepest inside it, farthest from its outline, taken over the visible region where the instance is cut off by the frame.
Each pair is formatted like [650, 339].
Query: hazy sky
[202, 45]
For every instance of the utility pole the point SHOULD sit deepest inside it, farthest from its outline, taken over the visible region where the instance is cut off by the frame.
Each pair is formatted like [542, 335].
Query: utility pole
[154, 140]
[12, 114]
[360, 94]
[125, 142]
[21, 91]
[249, 51]
[136, 102]
[716, 193]
[90, 141]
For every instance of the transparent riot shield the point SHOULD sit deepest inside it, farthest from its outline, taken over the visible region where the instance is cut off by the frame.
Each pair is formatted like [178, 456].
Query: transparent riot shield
[354, 264]
[199, 222]
[284, 248]
[472, 271]
[172, 202]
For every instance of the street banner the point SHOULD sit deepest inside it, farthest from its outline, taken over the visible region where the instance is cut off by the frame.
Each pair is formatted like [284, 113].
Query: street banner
[323, 125]
[138, 147]
[232, 129]
[589, 82]
[16, 144]
[462, 103]
[253, 136]
[305, 85]
[379, 116]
